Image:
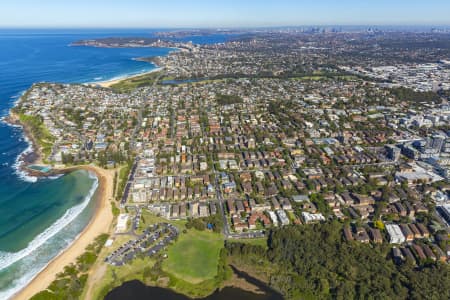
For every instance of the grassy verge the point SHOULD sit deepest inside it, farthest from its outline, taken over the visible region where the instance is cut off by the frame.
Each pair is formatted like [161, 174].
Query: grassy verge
[115, 210]
[123, 178]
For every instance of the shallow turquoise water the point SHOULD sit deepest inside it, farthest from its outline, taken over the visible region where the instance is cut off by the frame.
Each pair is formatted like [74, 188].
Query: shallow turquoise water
[34, 215]
[53, 213]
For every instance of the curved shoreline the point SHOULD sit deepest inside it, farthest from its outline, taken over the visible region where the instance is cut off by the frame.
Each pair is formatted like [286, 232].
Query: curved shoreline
[100, 223]
[110, 82]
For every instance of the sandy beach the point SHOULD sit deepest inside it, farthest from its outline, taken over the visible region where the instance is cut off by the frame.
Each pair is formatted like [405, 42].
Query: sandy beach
[100, 223]
[111, 82]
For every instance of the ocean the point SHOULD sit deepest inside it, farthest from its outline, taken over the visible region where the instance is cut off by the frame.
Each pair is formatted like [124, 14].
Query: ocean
[39, 218]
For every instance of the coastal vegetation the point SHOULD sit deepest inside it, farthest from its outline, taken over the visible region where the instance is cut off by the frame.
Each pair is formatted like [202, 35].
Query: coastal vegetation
[132, 83]
[115, 209]
[69, 284]
[39, 132]
[115, 180]
[137, 269]
[314, 262]
[195, 264]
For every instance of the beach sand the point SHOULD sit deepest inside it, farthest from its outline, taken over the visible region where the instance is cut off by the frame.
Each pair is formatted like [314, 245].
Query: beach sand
[101, 223]
[109, 83]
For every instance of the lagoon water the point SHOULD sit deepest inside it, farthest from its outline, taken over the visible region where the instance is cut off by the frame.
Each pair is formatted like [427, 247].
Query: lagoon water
[39, 219]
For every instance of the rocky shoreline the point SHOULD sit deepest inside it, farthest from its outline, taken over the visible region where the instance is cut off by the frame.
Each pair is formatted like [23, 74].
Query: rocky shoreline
[33, 154]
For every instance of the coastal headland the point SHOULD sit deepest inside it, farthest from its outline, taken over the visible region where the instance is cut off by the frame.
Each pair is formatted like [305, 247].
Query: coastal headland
[40, 147]
[199, 284]
[100, 223]
[31, 157]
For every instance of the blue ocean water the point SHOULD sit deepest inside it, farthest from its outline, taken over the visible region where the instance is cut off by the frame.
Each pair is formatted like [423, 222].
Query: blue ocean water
[40, 219]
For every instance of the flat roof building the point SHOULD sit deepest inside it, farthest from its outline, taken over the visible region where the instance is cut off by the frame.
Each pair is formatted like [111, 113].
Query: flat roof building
[122, 223]
[395, 234]
[310, 218]
[284, 220]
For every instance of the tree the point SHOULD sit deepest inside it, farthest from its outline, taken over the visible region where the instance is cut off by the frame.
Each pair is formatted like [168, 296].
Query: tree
[315, 262]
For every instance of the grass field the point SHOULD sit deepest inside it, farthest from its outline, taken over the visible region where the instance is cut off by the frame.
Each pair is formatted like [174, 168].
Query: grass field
[194, 257]
[190, 268]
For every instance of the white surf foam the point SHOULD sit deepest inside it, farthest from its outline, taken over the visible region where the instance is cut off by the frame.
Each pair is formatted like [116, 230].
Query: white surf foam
[33, 270]
[55, 177]
[17, 166]
[19, 283]
[127, 75]
[8, 258]
[19, 163]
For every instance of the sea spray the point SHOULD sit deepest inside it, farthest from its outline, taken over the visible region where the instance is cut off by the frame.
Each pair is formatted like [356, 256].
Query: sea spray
[18, 165]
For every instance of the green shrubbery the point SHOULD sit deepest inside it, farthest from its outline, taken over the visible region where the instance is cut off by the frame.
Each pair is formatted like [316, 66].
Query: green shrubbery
[70, 283]
[202, 223]
[40, 133]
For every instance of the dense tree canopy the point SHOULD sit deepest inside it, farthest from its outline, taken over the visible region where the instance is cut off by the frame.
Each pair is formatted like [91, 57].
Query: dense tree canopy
[314, 262]
[228, 99]
[405, 94]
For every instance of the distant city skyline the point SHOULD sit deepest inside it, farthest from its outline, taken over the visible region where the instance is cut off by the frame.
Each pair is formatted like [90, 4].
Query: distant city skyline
[231, 13]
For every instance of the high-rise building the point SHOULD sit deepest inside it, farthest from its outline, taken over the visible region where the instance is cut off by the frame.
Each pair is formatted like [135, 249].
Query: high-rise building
[393, 152]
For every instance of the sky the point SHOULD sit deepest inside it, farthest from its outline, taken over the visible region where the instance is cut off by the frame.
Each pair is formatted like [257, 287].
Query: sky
[219, 13]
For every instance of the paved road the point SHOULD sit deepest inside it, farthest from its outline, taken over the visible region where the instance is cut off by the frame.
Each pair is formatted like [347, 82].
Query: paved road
[129, 183]
[248, 235]
[226, 228]
[139, 116]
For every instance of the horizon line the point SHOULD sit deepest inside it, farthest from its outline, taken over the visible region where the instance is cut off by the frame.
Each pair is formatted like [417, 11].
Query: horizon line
[230, 27]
